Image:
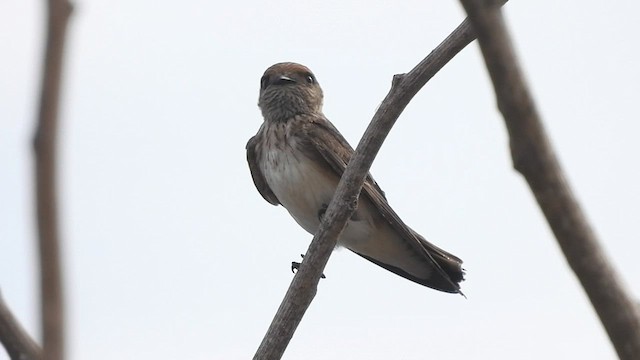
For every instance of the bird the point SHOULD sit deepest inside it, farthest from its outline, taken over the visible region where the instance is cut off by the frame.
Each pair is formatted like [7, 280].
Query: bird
[296, 160]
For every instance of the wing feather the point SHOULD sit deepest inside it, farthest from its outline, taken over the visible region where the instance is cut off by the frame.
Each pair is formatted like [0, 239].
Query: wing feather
[253, 154]
[337, 152]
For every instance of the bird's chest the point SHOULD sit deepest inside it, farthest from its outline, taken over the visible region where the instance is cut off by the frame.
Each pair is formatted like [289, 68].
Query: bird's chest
[301, 184]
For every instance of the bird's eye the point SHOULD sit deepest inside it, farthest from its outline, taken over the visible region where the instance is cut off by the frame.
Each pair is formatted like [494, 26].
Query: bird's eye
[310, 79]
[264, 81]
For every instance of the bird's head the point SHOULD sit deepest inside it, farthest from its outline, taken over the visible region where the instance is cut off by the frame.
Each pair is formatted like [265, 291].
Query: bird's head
[289, 89]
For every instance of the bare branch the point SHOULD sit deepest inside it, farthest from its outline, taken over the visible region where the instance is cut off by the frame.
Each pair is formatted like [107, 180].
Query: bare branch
[45, 171]
[304, 285]
[534, 157]
[14, 338]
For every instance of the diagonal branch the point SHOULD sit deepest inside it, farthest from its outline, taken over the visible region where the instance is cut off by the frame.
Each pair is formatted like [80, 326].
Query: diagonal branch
[14, 338]
[534, 157]
[304, 285]
[44, 144]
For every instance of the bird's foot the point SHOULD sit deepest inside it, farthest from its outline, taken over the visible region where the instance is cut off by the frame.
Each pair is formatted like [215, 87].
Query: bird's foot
[296, 265]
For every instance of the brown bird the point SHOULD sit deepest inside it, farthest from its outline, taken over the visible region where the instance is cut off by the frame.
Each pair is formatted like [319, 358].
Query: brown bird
[296, 160]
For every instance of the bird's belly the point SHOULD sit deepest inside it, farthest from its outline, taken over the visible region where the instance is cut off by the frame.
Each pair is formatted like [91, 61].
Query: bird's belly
[302, 187]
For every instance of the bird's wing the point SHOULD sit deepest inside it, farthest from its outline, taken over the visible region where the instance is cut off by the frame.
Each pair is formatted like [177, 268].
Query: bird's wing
[337, 152]
[335, 149]
[253, 154]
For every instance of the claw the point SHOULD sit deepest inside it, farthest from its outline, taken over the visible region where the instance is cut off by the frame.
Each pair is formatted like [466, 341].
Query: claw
[296, 266]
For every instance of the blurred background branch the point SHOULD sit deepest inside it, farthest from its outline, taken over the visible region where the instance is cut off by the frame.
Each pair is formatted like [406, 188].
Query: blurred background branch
[45, 142]
[16, 341]
[534, 157]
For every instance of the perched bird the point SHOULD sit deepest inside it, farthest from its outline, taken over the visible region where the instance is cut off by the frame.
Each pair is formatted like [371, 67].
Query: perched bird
[296, 160]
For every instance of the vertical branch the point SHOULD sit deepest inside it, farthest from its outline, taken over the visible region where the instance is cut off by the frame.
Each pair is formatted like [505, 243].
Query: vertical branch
[14, 338]
[534, 157]
[44, 143]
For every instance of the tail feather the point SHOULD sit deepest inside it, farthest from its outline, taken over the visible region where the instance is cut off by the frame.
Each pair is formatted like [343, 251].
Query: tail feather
[447, 269]
[406, 254]
[449, 263]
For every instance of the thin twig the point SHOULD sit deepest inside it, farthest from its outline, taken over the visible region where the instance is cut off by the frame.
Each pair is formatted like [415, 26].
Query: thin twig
[44, 143]
[304, 285]
[14, 338]
[534, 157]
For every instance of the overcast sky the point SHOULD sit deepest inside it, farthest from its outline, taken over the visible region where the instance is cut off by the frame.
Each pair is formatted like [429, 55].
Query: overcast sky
[170, 252]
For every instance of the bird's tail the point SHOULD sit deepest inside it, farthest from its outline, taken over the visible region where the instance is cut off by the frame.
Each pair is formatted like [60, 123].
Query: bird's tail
[449, 264]
[431, 267]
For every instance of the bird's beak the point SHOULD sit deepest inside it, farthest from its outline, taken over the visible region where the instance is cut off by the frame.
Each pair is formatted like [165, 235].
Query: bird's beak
[283, 80]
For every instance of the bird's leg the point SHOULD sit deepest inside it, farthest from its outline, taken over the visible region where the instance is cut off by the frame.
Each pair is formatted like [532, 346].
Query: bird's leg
[296, 266]
[323, 209]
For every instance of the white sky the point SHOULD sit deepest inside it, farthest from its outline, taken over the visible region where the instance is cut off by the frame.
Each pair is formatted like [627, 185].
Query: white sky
[171, 252]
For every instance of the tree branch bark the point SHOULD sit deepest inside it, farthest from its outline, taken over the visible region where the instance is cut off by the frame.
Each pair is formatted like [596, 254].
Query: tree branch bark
[534, 157]
[44, 143]
[304, 285]
[14, 338]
